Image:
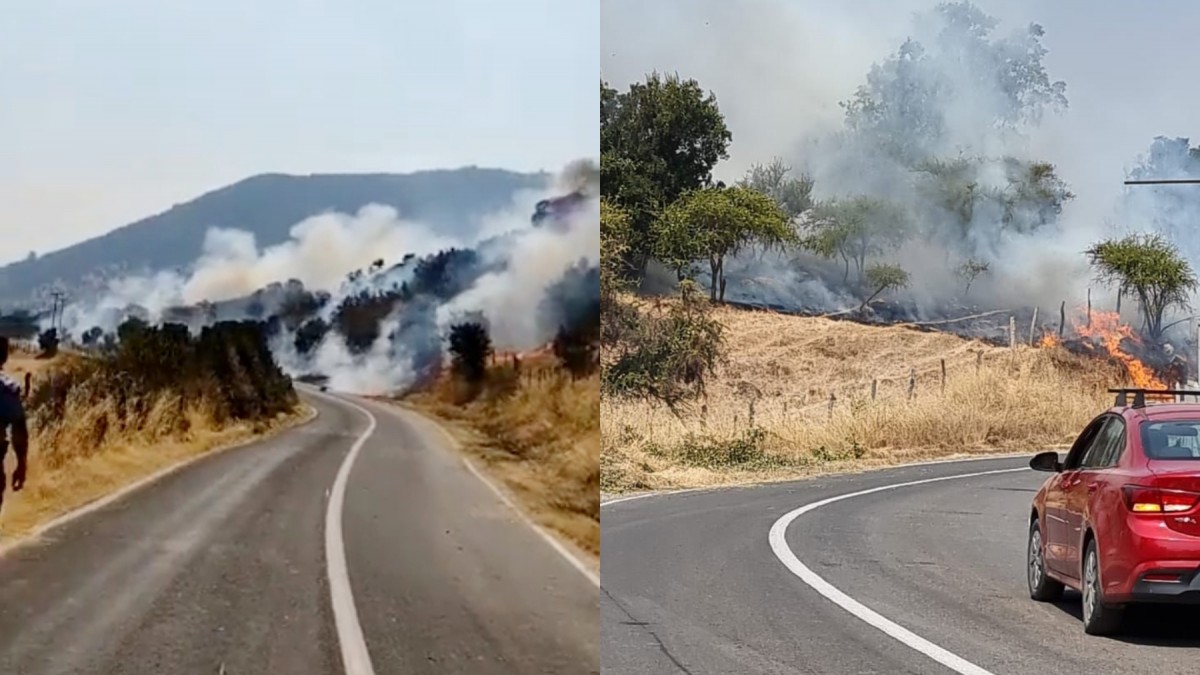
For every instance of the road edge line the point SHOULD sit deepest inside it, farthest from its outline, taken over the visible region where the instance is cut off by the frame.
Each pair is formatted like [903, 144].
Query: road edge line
[778, 541]
[874, 469]
[100, 502]
[356, 660]
[515, 508]
[549, 538]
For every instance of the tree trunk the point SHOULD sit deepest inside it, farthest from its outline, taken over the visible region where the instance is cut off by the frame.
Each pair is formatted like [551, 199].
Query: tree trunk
[712, 285]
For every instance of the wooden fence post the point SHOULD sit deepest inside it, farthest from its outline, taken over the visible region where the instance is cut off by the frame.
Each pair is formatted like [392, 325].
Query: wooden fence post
[1089, 318]
[978, 361]
[1062, 319]
[874, 387]
[1033, 325]
[912, 383]
[943, 376]
[1012, 332]
[832, 400]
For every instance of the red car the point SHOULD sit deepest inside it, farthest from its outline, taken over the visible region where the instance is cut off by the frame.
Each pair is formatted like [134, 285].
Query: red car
[1120, 519]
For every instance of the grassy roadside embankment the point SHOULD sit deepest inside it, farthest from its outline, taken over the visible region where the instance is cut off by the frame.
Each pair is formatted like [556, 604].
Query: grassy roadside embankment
[768, 414]
[538, 432]
[90, 437]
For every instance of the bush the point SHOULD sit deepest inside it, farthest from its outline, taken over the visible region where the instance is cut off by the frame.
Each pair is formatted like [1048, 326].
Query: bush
[577, 345]
[228, 367]
[667, 358]
[470, 347]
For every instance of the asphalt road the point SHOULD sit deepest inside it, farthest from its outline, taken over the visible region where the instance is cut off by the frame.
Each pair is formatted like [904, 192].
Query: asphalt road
[692, 585]
[221, 568]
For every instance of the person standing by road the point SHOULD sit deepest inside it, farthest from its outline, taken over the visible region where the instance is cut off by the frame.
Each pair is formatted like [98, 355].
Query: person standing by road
[12, 418]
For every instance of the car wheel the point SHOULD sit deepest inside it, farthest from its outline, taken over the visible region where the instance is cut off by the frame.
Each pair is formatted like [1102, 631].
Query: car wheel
[1099, 618]
[1041, 587]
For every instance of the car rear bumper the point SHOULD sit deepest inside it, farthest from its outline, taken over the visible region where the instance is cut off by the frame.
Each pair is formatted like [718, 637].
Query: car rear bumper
[1185, 590]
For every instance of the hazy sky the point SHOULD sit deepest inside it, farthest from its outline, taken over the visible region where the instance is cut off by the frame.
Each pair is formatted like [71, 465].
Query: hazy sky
[779, 68]
[116, 109]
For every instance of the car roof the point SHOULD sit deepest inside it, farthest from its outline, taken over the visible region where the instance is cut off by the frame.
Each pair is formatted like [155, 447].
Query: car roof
[1162, 411]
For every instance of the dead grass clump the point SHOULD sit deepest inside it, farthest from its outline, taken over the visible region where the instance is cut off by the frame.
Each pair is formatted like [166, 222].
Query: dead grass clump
[100, 422]
[537, 428]
[796, 398]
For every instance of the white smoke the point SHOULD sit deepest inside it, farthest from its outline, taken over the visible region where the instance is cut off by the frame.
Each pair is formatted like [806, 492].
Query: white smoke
[322, 252]
[780, 69]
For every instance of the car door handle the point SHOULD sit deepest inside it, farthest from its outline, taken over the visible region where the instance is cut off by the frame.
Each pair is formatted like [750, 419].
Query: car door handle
[1092, 487]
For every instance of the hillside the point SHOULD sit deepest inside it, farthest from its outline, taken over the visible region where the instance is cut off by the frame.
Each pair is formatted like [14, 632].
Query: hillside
[769, 412]
[269, 205]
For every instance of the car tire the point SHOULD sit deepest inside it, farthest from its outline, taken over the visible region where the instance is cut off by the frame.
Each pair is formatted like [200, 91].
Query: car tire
[1041, 587]
[1099, 618]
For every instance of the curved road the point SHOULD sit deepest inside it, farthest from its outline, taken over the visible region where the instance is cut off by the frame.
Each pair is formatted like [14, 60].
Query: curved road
[693, 585]
[221, 567]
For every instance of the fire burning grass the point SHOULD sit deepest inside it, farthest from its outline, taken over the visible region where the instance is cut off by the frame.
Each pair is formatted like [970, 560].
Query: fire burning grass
[770, 415]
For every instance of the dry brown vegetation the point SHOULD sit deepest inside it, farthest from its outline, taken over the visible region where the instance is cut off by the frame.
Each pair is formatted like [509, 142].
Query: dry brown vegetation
[768, 413]
[91, 434]
[538, 431]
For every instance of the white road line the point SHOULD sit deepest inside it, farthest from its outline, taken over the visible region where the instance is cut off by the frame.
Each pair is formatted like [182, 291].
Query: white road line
[355, 658]
[778, 540]
[549, 538]
[541, 531]
[893, 467]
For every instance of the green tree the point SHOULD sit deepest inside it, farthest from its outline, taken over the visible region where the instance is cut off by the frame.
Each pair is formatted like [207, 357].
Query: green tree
[903, 105]
[793, 194]
[470, 347]
[658, 140]
[715, 223]
[1150, 268]
[970, 270]
[669, 354]
[884, 277]
[854, 229]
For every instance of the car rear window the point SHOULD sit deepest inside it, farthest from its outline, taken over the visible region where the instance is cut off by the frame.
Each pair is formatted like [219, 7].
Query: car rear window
[1172, 440]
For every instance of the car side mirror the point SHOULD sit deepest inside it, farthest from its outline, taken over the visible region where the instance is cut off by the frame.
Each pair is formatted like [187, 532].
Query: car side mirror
[1046, 461]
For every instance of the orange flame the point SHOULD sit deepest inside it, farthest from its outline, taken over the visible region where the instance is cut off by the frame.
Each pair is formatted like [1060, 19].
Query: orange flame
[1108, 329]
[1048, 340]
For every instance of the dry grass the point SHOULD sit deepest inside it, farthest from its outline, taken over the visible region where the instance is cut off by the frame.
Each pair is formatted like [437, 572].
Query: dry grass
[539, 433]
[67, 470]
[768, 413]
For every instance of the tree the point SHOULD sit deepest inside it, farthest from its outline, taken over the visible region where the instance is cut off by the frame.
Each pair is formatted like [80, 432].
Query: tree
[906, 105]
[1149, 267]
[970, 270]
[668, 355]
[470, 347]
[715, 223]
[658, 140]
[792, 194]
[884, 277]
[1170, 209]
[854, 229]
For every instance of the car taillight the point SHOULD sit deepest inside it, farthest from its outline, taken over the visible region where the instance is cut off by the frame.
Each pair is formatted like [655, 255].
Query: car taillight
[1141, 499]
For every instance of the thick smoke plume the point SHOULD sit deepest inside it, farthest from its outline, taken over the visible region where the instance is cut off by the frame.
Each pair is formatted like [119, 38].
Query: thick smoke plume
[365, 300]
[936, 113]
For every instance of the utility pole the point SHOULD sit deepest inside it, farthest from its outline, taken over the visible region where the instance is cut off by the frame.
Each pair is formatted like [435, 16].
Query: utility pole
[56, 310]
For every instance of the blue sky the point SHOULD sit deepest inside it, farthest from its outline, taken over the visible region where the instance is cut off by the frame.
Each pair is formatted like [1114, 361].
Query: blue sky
[116, 109]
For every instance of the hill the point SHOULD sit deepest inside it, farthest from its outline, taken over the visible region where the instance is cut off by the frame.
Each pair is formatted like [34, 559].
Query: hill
[795, 398]
[269, 205]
